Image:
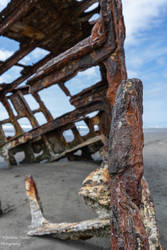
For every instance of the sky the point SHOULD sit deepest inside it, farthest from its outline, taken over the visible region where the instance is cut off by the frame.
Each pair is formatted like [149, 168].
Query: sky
[146, 58]
[146, 54]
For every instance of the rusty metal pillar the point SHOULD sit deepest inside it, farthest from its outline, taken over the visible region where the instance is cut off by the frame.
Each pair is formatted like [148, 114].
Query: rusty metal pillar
[126, 169]
[115, 64]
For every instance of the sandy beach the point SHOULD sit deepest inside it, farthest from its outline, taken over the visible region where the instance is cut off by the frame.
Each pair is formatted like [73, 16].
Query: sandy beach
[58, 185]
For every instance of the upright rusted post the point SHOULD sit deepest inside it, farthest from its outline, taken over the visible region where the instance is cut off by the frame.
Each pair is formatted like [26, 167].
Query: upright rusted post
[126, 168]
[115, 64]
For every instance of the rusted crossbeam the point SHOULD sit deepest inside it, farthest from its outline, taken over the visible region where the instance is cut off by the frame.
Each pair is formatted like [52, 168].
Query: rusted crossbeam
[92, 94]
[58, 75]
[83, 48]
[17, 64]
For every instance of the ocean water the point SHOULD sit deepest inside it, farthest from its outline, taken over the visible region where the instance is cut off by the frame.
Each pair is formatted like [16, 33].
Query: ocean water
[155, 130]
[9, 131]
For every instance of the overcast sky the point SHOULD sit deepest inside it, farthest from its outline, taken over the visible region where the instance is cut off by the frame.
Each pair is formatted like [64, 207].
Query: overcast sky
[146, 58]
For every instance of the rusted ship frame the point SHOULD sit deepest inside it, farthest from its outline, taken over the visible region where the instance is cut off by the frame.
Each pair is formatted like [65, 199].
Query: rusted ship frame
[117, 191]
[74, 44]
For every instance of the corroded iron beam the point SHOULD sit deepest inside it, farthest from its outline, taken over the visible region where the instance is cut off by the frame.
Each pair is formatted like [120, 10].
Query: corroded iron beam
[115, 64]
[65, 66]
[42, 80]
[92, 94]
[17, 64]
[81, 49]
[23, 109]
[126, 169]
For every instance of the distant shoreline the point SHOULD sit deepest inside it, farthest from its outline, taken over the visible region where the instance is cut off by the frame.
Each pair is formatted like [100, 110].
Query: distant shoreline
[155, 130]
[9, 131]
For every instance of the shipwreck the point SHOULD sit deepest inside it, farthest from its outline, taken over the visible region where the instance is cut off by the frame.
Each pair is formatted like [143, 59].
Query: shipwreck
[79, 35]
[74, 44]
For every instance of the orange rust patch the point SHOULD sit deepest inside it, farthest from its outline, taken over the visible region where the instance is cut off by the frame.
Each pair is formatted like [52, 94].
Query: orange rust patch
[31, 188]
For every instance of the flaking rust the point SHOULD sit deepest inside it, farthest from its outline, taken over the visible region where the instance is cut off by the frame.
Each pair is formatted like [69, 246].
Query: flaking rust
[128, 189]
[124, 207]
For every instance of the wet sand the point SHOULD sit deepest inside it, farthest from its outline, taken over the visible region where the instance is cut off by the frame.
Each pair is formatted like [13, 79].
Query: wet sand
[58, 185]
[155, 167]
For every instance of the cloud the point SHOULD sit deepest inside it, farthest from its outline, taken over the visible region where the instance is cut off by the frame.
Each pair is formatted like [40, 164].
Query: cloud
[10, 75]
[38, 52]
[146, 51]
[4, 54]
[152, 92]
[34, 56]
[154, 111]
[140, 15]
[4, 113]
[92, 7]
[3, 4]
[91, 72]
[154, 52]
[150, 53]
[132, 74]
